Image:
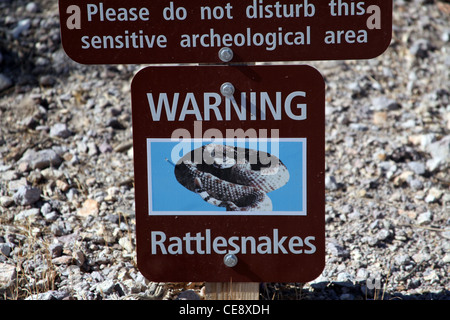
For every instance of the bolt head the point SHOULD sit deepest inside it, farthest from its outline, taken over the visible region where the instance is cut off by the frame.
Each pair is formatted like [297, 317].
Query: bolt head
[227, 89]
[226, 54]
[230, 260]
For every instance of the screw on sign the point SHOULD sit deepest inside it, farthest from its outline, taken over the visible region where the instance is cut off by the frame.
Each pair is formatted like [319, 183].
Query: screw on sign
[199, 31]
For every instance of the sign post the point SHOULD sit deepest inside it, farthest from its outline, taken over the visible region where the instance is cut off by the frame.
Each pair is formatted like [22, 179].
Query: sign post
[229, 158]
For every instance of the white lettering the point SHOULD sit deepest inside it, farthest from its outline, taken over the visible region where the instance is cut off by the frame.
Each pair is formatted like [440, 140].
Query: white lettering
[205, 243]
[122, 14]
[271, 106]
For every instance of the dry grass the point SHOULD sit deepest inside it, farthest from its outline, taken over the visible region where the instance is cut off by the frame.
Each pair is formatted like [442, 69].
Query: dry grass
[35, 272]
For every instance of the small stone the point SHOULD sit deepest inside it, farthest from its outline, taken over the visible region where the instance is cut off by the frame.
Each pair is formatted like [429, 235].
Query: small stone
[23, 167]
[65, 259]
[5, 249]
[14, 185]
[41, 159]
[380, 118]
[420, 48]
[402, 259]
[385, 104]
[417, 167]
[330, 183]
[8, 276]
[440, 153]
[188, 295]
[337, 250]
[416, 184]
[105, 148]
[32, 7]
[30, 214]
[26, 195]
[90, 207]
[446, 258]
[434, 195]
[405, 176]
[47, 81]
[46, 208]
[21, 27]
[425, 218]
[60, 130]
[420, 257]
[5, 82]
[62, 185]
[126, 244]
[6, 201]
[106, 287]
[79, 257]
[56, 250]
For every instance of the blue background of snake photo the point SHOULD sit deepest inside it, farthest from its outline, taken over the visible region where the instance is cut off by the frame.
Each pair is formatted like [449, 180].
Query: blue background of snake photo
[168, 197]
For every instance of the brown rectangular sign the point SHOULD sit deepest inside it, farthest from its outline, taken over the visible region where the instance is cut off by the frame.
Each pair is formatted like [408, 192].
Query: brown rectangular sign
[194, 31]
[229, 173]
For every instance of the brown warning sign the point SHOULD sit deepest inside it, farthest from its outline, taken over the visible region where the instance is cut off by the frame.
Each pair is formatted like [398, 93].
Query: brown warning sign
[157, 31]
[229, 173]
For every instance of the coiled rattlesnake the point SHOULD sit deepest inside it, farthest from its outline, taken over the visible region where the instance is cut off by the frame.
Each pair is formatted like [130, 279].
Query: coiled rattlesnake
[232, 177]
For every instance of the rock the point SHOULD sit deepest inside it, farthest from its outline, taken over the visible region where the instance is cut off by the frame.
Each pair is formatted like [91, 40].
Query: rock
[79, 257]
[425, 218]
[384, 104]
[417, 167]
[90, 207]
[337, 250]
[47, 81]
[30, 214]
[32, 7]
[8, 276]
[440, 153]
[421, 48]
[105, 148]
[5, 82]
[434, 195]
[6, 201]
[49, 295]
[330, 183]
[21, 27]
[56, 250]
[188, 295]
[106, 287]
[26, 195]
[383, 235]
[41, 159]
[60, 130]
[126, 244]
[402, 259]
[5, 250]
[62, 260]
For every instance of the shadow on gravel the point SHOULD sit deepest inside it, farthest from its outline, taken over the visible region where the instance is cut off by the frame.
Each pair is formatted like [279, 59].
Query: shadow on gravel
[340, 291]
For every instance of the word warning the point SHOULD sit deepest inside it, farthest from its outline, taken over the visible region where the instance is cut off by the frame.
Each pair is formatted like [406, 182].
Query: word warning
[162, 31]
[219, 197]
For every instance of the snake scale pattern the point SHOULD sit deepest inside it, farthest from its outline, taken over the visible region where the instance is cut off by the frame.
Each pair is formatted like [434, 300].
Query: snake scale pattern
[232, 177]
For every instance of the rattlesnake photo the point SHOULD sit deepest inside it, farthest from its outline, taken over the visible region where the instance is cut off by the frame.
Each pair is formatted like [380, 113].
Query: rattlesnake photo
[232, 177]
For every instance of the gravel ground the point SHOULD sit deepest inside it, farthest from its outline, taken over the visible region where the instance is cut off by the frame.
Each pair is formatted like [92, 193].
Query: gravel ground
[66, 173]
